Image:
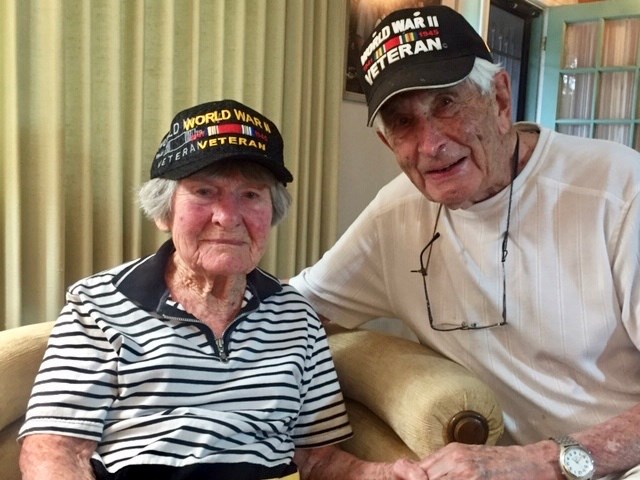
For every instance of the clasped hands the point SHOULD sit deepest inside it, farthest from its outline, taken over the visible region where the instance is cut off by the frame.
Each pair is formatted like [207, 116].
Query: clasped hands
[458, 461]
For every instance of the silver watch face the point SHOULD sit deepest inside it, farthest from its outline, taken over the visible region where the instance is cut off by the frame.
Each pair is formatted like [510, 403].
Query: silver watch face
[577, 462]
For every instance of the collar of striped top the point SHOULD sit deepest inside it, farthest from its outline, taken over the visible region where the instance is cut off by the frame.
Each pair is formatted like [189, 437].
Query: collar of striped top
[143, 281]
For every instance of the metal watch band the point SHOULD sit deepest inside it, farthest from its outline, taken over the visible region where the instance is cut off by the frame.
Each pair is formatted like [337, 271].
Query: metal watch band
[567, 440]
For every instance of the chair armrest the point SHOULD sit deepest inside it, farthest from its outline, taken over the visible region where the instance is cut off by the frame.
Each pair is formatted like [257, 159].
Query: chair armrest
[21, 351]
[426, 399]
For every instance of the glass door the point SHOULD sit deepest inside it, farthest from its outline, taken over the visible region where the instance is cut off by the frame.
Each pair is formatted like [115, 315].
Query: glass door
[592, 71]
[509, 38]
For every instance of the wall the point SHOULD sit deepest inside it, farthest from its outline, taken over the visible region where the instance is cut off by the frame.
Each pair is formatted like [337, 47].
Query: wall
[366, 164]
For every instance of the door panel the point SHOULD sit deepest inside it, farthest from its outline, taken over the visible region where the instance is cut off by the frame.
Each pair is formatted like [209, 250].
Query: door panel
[591, 80]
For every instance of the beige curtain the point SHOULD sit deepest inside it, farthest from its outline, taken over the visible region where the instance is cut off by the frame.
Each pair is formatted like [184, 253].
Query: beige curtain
[88, 88]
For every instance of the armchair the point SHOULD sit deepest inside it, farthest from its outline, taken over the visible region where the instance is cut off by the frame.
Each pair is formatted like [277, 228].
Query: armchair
[402, 398]
[21, 351]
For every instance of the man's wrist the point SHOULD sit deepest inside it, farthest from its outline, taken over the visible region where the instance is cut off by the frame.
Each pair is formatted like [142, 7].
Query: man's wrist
[549, 451]
[574, 459]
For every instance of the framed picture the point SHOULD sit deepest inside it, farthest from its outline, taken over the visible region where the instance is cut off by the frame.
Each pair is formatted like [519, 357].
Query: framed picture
[363, 16]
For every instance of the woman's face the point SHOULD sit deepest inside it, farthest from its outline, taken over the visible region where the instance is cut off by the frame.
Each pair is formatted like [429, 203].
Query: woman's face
[220, 224]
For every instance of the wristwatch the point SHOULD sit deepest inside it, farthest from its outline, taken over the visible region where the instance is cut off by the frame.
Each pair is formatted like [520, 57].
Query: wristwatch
[576, 461]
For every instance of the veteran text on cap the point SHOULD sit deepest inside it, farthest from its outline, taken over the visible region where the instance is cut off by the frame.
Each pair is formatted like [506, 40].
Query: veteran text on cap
[417, 48]
[215, 131]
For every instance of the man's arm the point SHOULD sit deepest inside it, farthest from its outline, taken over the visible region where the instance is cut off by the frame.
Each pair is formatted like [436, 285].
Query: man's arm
[331, 463]
[56, 457]
[614, 444]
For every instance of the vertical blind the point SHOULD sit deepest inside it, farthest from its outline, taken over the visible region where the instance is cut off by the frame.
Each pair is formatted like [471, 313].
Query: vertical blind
[88, 88]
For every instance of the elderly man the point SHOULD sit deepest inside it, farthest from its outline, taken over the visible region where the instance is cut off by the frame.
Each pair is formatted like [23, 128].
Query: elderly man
[509, 248]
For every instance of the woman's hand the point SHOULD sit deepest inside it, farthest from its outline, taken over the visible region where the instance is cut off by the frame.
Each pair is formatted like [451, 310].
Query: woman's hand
[331, 463]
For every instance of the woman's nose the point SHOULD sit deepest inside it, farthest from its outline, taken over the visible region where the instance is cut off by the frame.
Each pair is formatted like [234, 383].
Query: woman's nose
[226, 211]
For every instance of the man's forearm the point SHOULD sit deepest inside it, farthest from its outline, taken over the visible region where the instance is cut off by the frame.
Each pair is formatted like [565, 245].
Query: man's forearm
[615, 444]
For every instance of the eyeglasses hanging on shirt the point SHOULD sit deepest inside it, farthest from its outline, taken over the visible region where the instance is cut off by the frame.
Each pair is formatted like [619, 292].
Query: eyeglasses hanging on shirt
[424, 265]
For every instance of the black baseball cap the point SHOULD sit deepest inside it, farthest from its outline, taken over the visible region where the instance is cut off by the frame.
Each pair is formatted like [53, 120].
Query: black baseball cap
[223, 130]
[417, 48]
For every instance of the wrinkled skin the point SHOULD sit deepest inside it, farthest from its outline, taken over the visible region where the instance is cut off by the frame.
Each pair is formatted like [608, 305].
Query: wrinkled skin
[454, 144]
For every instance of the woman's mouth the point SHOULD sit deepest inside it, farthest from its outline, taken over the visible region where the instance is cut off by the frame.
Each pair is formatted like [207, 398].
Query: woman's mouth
[224, 241]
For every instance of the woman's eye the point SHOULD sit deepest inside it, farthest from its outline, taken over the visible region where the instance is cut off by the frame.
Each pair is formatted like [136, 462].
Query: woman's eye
[203, 192]
[403, 121]
[252, 195]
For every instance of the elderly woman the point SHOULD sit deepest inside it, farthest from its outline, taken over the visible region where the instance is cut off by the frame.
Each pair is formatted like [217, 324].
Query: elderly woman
[193, 362]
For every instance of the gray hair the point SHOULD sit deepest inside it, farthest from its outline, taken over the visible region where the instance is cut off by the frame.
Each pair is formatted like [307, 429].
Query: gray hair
[482, 75]
[155, 196]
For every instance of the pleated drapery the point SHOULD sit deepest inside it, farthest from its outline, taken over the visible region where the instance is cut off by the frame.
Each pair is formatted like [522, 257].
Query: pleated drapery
[88, 88]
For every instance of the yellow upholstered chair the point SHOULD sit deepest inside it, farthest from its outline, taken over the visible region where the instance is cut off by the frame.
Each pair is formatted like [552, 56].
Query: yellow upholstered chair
[406, 400]
[21, 351]
[403, 399]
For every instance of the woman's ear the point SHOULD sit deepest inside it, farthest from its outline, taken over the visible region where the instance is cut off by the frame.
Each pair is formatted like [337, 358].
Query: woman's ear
[162, 225]
[502, 85]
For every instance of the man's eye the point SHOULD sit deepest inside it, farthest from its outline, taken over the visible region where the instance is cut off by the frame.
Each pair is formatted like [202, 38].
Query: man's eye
[444, 107]
[400, 122]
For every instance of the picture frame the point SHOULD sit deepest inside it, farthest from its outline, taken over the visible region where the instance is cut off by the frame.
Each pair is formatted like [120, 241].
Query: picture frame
[362, 17]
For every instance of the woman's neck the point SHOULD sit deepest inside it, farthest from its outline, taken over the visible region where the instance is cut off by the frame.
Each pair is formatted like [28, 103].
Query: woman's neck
[215, 301]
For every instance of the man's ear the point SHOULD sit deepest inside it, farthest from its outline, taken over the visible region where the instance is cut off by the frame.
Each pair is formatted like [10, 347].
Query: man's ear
[383, 138]
[502, 84]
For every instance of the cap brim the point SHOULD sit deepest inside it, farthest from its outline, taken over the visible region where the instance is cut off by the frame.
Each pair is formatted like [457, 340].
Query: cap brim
[281, 173]
[435, 73]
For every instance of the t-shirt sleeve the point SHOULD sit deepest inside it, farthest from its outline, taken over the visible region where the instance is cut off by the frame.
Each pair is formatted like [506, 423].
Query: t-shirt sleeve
[347, 285]
[323, 418]
[75, 385]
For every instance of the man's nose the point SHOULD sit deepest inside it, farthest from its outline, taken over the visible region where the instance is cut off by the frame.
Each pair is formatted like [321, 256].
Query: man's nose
[431, 138]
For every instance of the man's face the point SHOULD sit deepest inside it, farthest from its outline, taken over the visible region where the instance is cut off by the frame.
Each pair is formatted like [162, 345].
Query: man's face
[452, 142]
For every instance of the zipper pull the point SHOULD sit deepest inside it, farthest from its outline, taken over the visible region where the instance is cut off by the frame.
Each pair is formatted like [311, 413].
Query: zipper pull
[221, 351]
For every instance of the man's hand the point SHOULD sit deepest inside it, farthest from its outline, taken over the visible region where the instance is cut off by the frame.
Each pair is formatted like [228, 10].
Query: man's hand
[457, 461]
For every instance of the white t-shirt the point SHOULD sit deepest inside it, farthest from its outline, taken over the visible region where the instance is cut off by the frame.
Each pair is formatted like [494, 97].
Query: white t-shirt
[570, 354]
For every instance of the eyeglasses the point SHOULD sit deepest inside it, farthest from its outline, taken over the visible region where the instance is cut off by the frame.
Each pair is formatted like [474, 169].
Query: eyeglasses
[424, 266]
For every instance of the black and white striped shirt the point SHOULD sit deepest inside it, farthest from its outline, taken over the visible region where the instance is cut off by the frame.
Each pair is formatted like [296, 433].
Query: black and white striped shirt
[130, 369]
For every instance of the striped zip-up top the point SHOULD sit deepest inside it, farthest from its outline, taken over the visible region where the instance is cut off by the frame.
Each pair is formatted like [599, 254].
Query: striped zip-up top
[130, 369]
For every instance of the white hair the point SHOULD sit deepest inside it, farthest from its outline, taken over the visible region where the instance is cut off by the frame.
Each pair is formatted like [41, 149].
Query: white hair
[155, 196]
